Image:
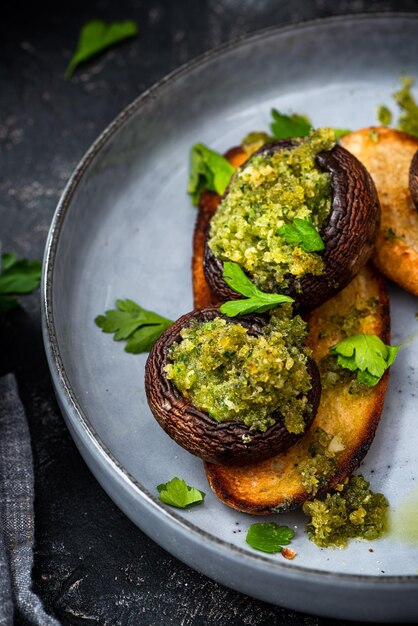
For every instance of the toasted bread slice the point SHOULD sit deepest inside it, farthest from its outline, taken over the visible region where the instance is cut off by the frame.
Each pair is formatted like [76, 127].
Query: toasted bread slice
[275, 485]
[387, 154]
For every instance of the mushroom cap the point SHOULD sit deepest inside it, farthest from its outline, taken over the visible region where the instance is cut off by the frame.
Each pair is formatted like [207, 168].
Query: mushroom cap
[413, 179]
[197, 432]
[349, 233]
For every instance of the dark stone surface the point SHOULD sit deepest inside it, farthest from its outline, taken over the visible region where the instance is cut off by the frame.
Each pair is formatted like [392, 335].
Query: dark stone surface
[92, 566]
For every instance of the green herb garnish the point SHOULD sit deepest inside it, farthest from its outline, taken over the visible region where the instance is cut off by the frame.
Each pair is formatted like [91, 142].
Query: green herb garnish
[269, 537]
[256, 301]
[17, 278]
[303, 233]
[286, 126]
[340, 132]
[208, 170]
[177, 493]
[367, 354]
[96, 36]
[408, 117]
[390, 234]
[129, 321]
[384, 115]
[295, 125]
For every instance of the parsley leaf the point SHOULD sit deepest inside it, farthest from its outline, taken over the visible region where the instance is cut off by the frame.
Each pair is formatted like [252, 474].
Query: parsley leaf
[269, 537]
[367, 354]
[303, 233]
[340, 132]
[257, 301]
[96, 36]
[177, 493]
[208, 170]
[384, 115]
[295, 125]
[408, 117]
[285, 126]
[141, 328]
[17, 278]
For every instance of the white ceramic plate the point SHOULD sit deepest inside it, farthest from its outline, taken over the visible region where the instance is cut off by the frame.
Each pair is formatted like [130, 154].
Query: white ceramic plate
[123, 228]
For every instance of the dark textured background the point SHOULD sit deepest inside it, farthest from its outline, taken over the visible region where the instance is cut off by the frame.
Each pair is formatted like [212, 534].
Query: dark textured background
[92, 566]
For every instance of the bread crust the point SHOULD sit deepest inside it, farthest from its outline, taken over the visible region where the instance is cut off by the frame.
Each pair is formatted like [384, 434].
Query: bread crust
[387, 154]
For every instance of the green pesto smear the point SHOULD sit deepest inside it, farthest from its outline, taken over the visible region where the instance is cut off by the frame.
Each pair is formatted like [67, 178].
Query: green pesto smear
[320, 464]
[352, 512]
[332, 373]
[231, 374]
[269, 191]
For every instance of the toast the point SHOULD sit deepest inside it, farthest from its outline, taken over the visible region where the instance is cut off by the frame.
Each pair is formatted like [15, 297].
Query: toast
[387, 154]
[275, 485]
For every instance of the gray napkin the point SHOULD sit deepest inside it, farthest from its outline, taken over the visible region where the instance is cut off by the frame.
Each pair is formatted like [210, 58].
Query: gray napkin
[16, 513]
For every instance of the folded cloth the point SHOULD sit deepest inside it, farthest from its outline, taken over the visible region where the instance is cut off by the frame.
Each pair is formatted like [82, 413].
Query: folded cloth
[16, 513]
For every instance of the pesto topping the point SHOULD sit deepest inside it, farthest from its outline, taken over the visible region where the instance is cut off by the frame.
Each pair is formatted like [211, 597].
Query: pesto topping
[269, 191]
[320, 464]
[231, 374]
[355, 511]
[333, 374]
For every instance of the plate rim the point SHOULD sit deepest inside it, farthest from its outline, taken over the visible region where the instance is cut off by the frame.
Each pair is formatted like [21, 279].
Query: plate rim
[55, 361]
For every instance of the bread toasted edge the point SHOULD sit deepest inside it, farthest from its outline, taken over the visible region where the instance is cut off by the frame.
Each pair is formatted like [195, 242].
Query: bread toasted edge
[387, 154]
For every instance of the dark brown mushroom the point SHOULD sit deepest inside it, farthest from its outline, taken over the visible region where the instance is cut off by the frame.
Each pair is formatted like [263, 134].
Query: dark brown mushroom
[197, 432]
[349, 234]
[413, 179]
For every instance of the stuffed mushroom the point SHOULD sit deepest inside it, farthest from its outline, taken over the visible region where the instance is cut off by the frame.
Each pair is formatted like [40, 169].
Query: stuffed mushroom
[233, 390]
[287, 198]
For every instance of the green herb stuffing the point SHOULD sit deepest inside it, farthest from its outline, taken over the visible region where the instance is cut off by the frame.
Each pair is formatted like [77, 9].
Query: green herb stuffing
[320, 464]
[269, 191]
[177, 493]
[256, 301]
[354, 512]
[208, 170]
[231, 374]
[269, 537]
[130, 322]
[333, 374]
[17, 277]
[366, 354]
[303, 233]
[96, 36]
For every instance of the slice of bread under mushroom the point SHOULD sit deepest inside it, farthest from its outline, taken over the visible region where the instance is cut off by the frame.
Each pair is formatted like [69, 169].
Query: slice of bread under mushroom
[351, 420]
[387, 154]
